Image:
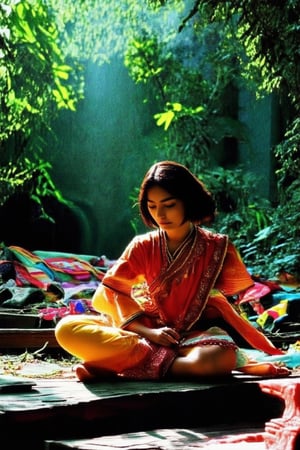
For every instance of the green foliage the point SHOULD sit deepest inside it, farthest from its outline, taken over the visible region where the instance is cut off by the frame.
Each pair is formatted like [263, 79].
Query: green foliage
[142, 59]
[194, 68]
[242, 213]
[254, 224]
[100, 30]
[276, 248]
[35, 76]
[288, 156]
[189, 73]
[35, 83]
[270, 34]
[31, 177]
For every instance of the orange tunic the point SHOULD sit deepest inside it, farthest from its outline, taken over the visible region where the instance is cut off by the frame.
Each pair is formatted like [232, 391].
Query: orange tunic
[177, 290]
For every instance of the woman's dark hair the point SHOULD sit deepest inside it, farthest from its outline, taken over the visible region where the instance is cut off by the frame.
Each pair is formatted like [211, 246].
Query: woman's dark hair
[178, 181]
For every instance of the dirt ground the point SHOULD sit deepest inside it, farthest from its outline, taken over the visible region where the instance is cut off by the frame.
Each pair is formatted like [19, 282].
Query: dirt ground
[37, 365]
[40, 364]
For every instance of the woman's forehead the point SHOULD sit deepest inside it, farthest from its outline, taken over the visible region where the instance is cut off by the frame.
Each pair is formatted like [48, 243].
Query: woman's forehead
[157, 193]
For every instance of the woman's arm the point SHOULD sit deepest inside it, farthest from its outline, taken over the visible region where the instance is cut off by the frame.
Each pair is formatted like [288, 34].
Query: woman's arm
[218, 306]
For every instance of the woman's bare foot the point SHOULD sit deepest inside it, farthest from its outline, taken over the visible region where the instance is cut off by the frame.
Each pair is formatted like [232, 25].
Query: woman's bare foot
[83, 374]
[86, 375]
[265, 369]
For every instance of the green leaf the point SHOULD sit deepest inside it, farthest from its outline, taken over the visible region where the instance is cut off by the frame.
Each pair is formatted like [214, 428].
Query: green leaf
[164, 119]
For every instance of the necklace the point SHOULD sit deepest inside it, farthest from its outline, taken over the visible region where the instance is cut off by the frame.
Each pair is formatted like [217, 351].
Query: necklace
[172, 254]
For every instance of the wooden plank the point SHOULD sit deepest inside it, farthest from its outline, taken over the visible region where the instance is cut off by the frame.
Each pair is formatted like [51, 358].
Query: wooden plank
[15, 384]
[166, 439]
[17, 319]
[27, 338]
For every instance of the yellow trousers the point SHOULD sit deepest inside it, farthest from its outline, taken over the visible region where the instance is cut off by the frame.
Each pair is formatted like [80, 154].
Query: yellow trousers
[104, 347]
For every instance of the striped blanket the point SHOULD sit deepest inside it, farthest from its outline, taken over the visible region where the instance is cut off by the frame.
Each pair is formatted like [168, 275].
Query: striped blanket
[52, 283]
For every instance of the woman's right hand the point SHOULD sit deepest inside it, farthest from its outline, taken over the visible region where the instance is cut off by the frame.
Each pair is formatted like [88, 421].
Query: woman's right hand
[163, 336]
[166, 336]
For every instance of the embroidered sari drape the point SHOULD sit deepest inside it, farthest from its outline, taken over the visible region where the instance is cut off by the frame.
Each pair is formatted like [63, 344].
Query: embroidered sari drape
[206, 270]
[176, 291]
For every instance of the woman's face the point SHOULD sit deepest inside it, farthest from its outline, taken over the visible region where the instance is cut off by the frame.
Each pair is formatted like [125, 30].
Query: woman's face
[166, 210]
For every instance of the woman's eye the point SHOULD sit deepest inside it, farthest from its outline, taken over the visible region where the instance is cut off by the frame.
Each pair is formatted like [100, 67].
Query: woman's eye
[171, 205]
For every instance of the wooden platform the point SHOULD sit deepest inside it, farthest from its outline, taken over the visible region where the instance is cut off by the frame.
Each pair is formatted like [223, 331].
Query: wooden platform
[49, 413]
[19, 330]
[30, 339]
[225, 438]
[60, 414]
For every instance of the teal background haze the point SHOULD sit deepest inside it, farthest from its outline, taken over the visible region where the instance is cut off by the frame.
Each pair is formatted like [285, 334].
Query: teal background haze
[101, 154]
[103, 150]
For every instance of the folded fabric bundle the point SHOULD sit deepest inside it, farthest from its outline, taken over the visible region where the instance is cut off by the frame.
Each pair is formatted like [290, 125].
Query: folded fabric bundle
[17, 297]
[13, 296]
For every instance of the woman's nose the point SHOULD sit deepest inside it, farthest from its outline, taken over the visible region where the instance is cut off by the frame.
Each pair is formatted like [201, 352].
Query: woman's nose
[161, 212]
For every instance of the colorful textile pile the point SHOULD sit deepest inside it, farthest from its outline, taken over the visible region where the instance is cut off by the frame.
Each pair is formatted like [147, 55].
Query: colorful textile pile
[52, 284]
[271, 305]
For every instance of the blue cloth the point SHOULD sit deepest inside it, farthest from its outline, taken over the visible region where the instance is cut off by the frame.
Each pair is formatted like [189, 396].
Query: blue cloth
[291, 358]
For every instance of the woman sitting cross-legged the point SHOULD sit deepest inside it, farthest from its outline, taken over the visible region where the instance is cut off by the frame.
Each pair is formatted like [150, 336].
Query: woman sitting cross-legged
[163, 307]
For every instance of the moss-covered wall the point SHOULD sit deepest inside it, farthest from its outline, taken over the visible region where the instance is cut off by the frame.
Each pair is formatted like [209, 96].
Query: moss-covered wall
[262, 121]
[101, 154]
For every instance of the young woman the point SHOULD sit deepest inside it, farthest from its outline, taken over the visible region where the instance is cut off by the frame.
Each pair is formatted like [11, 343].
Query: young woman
[163, 307]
